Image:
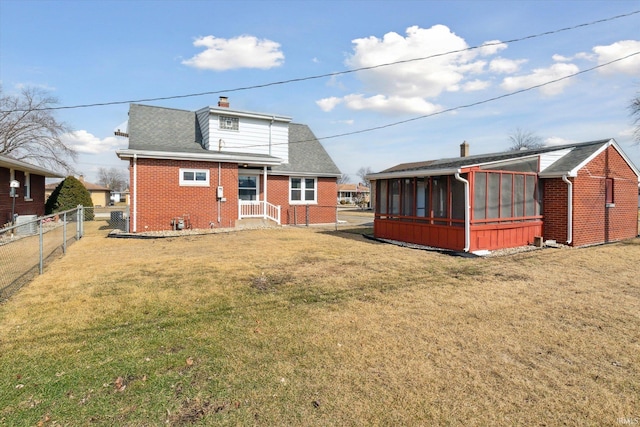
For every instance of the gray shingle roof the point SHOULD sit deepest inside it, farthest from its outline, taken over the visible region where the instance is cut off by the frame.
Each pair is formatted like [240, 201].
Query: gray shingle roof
[306, 154]
[162, 129]
[579, 153]
[176, 131]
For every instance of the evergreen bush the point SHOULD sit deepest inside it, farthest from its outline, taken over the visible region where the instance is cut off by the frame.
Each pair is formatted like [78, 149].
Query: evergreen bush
[68, 195]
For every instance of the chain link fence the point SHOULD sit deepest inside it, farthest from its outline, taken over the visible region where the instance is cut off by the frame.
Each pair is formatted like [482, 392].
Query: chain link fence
[29, 245]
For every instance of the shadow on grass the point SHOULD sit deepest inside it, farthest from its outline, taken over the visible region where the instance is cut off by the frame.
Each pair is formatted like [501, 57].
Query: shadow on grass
[360, 234]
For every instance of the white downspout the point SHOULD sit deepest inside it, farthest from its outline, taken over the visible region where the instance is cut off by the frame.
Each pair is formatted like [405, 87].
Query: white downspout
[467, 212]
[273, 118]
[264, 195]
[219, 184]
[135, 192]
[569, 209]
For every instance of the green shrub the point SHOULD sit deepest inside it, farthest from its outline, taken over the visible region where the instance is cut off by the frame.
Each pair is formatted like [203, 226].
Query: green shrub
[68, 195]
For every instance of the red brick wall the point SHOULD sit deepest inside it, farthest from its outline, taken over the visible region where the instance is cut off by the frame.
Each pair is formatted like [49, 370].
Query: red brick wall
[160, 198]
[593, 222]
[323, 212]
[33, 206]
[554, 209]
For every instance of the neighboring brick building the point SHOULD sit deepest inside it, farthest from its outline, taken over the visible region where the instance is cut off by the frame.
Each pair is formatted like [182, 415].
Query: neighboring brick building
[215, 166]
[29, 196]
[577, 194]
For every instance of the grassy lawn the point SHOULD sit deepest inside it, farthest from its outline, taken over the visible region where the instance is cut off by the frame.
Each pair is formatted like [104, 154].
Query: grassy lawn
[297, 326]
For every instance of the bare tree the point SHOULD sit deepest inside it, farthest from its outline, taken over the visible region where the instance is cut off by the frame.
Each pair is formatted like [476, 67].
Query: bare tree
[524, 140]
[114, 178]
[30, 132]
[635, 112]
[362, 174]
[344, 179]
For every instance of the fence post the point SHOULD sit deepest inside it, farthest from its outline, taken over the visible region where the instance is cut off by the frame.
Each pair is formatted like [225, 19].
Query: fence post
[79, 217]
[64, 232]
[41, 240]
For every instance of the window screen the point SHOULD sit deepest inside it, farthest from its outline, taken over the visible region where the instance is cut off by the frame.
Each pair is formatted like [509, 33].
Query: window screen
[493, 199]
[407, 197]
[506, 196]
[395, 197]
[479, 195]
[382, 196]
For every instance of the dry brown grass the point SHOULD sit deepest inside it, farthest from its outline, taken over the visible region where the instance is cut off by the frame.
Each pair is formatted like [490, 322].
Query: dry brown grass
[316, 327]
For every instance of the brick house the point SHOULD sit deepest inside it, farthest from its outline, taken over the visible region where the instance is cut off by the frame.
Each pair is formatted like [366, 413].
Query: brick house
[217, 166]
[576, 194]
[30, 195]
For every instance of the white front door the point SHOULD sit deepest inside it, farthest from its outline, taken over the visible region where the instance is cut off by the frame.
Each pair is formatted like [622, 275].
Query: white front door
[249, 187]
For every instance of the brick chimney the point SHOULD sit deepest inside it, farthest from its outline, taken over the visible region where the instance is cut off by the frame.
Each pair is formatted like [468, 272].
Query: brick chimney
[464, 149]
[223, 102]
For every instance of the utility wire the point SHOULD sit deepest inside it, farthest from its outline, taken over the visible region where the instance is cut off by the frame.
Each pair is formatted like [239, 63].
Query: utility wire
[337, 73]
[459, 107]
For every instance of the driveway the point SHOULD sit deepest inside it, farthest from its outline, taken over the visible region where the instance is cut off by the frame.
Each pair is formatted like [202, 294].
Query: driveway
[354, 216]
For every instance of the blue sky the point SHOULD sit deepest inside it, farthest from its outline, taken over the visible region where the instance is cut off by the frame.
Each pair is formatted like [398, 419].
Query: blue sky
[87, 52]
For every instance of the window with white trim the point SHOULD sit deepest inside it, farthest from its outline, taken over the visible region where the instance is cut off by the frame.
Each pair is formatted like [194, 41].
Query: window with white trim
[27, 186]
[228, 123]
[194, 177]
[303, 190]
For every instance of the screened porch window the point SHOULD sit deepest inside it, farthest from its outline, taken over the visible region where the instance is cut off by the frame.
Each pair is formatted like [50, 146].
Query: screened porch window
[505, 195]
[436, 199]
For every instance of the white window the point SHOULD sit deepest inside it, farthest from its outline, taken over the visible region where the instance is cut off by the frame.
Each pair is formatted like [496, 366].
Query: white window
[228, 123]
[302, 190]
[27, 186]
[194, 177]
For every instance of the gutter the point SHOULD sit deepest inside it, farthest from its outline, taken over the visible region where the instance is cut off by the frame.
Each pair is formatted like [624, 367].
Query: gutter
[412, 173]
[211, 156]
[467, 212]
[569, 209]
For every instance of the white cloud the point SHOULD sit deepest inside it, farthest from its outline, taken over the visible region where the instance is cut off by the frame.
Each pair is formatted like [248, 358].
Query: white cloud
[617, 50]
[475, 85]
[561, 58]
[345, 122]
[505, 66]
[410, 87]
[393, 104]
[238, 52]
[492, 47]
[543, 75]
[84, 142]
[424, 78]
[328, 104]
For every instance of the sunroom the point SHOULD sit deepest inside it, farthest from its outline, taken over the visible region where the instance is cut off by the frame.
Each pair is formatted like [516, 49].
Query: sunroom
[470, 207]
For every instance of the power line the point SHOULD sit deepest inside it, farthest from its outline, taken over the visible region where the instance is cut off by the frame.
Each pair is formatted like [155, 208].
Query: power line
[337, 73]
[448, 110]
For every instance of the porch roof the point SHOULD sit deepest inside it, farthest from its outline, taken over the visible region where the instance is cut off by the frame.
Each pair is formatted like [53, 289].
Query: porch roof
[576, 156]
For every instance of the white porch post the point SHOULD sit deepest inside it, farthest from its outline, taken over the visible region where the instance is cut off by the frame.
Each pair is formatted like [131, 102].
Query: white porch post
[264, 192]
